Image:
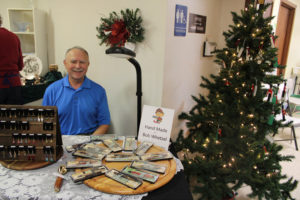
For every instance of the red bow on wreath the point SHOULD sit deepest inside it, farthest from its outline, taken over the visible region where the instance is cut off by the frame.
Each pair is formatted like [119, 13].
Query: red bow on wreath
[119, 33]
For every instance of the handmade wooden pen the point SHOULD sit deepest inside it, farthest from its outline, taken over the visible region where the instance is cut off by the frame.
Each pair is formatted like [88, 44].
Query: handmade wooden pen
[59, 180]
[58, 184]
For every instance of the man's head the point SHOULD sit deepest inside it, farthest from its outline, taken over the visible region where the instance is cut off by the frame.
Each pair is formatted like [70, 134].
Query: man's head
[0, 20]
[76, 63]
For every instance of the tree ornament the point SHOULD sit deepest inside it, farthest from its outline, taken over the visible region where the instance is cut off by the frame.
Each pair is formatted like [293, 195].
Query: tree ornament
[265, 149]
[270, 94]
[248, 53]
[240, 51]
[223, 64]
[254, 88]
[274, 99]
[283, 91]
[271, 119]
[283, 112]
[227, 83]
[272, 38]
[219, 133]
[275, 63]
[237, 42]
[259, 61]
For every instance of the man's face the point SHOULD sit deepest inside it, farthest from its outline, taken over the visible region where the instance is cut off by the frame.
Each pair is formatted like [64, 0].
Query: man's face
[76, 64]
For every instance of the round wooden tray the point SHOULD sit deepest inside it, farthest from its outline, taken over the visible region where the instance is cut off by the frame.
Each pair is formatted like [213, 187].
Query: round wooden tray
[107, 185]
[29, 165]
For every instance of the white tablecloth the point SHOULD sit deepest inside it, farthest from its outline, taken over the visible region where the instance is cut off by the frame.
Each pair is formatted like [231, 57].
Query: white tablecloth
[38, 184]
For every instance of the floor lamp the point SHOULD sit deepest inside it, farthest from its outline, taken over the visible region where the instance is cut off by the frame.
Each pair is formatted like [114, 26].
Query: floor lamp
[122, 52]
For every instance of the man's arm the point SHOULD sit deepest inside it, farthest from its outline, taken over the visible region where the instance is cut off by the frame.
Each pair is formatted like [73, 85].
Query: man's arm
[102, 129]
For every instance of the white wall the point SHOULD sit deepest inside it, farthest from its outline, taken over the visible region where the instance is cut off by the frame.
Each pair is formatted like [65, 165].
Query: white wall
[184, 63]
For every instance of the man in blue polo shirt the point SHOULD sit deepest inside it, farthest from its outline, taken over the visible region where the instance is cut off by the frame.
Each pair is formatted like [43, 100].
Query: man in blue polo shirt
[82, 104]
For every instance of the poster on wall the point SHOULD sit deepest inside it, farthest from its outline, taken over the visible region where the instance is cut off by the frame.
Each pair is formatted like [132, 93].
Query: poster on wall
[180, 20]
[197, 23]
[156, 125]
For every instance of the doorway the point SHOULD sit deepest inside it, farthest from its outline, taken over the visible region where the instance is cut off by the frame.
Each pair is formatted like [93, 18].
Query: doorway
[283, 32]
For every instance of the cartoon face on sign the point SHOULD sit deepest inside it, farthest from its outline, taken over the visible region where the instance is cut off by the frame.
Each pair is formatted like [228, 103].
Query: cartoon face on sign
[158, 116]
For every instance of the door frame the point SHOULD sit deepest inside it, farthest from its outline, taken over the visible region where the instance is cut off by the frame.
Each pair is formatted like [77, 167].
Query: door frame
[285, 50]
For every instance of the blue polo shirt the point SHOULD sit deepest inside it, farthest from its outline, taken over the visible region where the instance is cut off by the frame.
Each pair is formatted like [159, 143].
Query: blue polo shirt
[79, 111]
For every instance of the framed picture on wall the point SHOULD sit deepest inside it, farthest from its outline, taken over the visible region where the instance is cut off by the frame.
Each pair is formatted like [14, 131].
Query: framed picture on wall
[197, 23]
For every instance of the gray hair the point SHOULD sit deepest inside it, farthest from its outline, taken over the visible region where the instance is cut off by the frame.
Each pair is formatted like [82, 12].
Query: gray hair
[79, 48]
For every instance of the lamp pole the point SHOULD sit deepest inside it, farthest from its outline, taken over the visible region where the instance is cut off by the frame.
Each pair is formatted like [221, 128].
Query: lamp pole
[138, 90]
[121, 52]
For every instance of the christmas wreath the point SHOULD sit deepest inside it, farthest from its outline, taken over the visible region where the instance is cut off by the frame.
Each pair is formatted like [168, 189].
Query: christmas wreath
[117, 30]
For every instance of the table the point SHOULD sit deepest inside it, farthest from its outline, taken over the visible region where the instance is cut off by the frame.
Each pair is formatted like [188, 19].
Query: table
[34, 92]
[39, 183]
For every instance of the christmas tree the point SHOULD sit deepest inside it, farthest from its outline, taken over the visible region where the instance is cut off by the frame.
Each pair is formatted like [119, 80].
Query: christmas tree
[225, 146]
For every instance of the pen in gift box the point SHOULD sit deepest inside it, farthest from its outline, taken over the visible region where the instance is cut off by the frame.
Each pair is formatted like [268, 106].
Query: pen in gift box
[129, 143]
[138, 173]
[112, 144]
[157, 156]
[84, 163]
[88, 173]
[123, 178]
[150, 166]
[143, 148]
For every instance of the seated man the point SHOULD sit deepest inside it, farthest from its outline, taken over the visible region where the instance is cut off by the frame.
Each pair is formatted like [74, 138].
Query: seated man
[81, 103]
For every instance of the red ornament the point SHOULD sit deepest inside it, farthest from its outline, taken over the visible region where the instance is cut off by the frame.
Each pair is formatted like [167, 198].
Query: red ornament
[119, 34]
[270, 94]
[254, 89]
[265, 149]
[272, 37]
[230, 196]
[237, 42]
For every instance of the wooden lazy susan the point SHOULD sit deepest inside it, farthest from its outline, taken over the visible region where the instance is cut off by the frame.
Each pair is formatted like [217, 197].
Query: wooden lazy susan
[107, 185]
